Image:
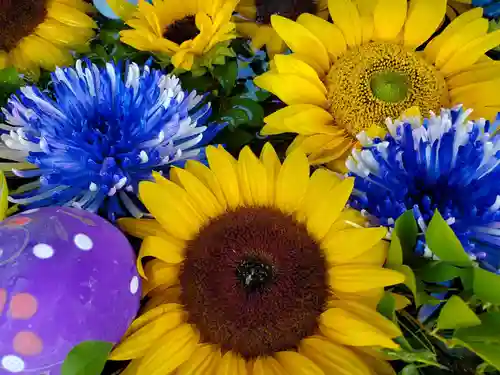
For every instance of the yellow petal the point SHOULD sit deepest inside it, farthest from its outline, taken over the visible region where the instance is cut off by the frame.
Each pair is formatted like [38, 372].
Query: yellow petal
[371, 315]
[292, 182]
[467, 34]
[305, 119]
[344, 327]
[70, 16]
[324, 210]
[379, 366]
[349, 218]
[272, 164]
[44, 53]
[333, 358]
[223, 166]
[144, 338]
[320, 184]
[389, 17]
[171, 206]
[370, 298]
[435, 45]
[376, 256]
[200, 362]
[424, 17]
[477, 95]
[284, 86]
[157, 247]
[205, 175]
[162, 295]
[289, 64]
[122, 8]
[267, 366]
[477, 73]
[302, 42]
[328, 33]
[232, 364]
[345, 245]
[253, 179]
[203, 198]
[351, 279]
[158, 274]
[346, 16]
[149, 316]
[142, 228]
[297, 364]
[367, 29]
[471, 53]
[170, 352]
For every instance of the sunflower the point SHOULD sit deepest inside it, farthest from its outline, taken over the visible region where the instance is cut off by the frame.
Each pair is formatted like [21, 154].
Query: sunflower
[259, 270]
[193, 34]
[42, 33]
[351, 75]
[253, 19]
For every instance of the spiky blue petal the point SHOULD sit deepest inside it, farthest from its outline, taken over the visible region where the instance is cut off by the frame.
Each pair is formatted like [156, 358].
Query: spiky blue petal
[442, 162]
[99, 132]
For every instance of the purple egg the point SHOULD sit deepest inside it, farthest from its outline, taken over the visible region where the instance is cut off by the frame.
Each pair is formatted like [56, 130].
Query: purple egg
[66, 276]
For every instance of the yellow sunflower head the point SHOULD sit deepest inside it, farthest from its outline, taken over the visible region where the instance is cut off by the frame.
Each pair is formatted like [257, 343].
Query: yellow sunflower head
[253, 19]
[258, 269]
[42, 33]
[193, 34]
[351, 75]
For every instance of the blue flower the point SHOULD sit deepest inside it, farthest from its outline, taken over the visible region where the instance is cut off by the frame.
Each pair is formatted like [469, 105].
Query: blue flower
[98, 133]
[491, 7]
[443, 162]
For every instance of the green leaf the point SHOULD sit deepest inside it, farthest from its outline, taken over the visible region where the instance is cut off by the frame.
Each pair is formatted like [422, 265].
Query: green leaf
[410, 280]
[4, 193]
[444, 243]
[438, 272]
[410, 370]
[395, 253]
[486, 286]
[407, 230]
[226, 75]
[10, 77]
[456, 314]
[417, 356]
[487, 351]
[488, 331]
[253, 110]
[387, 306]
[87, 358]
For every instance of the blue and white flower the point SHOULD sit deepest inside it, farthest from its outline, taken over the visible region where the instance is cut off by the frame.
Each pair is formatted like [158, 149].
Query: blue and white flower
[442, 162]
[98, 133]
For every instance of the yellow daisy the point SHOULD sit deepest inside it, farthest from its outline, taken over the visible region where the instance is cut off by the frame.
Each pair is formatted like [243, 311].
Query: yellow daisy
[187, 31]
[253, 19]
[257, 269]
[42, 33]
[352, 75]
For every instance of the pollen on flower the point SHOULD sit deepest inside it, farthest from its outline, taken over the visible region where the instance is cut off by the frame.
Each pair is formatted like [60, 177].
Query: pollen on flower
[182, 30]
[375, 81]
[19, 18]
[254, 282]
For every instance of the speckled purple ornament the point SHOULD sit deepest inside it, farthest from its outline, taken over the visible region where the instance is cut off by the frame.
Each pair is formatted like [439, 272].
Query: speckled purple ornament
[66, 276]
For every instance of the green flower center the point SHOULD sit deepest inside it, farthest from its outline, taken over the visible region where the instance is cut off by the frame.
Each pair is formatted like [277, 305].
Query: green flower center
[390, 87]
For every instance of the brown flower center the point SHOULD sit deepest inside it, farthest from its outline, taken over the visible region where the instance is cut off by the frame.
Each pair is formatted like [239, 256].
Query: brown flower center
[18, 19]
[287, 8]
[254, 282]
[378, 80]
[182, 30]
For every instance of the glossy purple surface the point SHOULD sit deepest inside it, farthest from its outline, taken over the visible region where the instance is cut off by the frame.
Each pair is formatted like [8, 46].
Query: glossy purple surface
[66, 276]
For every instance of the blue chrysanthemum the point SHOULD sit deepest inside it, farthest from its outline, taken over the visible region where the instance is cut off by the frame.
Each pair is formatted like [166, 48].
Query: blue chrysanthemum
[443, 162]
[99, 132]
[491, 7]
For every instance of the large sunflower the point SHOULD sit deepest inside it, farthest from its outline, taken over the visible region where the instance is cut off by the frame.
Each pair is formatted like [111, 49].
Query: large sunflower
[42, 33]
[193, 33]
[345, 77]
[253, 19]
[259, 270]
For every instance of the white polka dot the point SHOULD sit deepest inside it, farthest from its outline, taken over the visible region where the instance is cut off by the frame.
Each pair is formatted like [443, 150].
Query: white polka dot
[83, 242]
[134, 285]
[43, 251]
[30, 211]
[13, 363]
